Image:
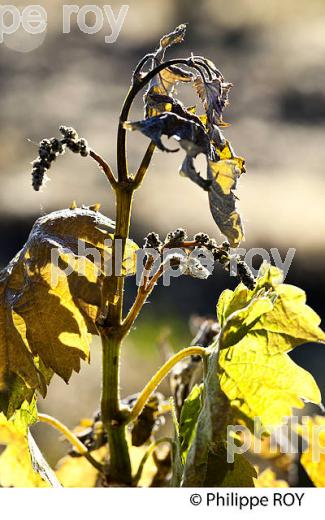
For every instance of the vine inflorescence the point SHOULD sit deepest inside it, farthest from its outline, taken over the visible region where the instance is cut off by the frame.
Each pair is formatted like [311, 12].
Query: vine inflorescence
[50, 149]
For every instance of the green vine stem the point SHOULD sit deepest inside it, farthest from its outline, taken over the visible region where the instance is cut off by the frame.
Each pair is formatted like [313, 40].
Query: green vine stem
[111, 328]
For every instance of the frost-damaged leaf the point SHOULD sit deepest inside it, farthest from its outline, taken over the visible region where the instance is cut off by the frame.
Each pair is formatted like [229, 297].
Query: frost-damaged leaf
[196, 134]
[214, 95]
[34, 288]
[174, 37]
[189, 133]
[288, 323]
[164, 82]
[264, 386]
[224, 175]
[313, 456]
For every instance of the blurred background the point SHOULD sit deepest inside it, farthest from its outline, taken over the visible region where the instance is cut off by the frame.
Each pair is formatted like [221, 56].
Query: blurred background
[273, 52]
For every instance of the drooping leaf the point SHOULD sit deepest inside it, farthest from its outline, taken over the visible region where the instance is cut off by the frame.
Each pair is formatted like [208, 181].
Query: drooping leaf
[214, 95]
[174, 37]
[190, 135]
[49, 296]
[224, 175]
[164, 82]
[188, 420]
[263, 386]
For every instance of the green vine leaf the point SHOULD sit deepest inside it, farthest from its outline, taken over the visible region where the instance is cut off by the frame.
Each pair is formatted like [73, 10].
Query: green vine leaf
[188, 419]
[210, 428]
[47, 315]
[221, 473]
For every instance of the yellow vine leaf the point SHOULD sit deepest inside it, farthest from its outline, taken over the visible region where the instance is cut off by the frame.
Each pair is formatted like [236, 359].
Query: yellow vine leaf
[313, 457]
[242, 321]
[289, 322]
[267, 479]
[258, 328]
[264, 386]
[77, 472]
[49, 299]
[21, 455]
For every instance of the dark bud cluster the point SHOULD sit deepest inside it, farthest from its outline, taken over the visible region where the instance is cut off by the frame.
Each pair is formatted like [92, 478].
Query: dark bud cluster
[148, 421]
[152, 241]
[201, 238]
[93, 437]
[174, 237]
[245, 275]
[72, 141]
[221, 253]
[49, 149]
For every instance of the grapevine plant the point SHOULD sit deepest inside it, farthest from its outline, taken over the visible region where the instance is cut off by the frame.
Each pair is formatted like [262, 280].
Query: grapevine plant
[237, 367]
